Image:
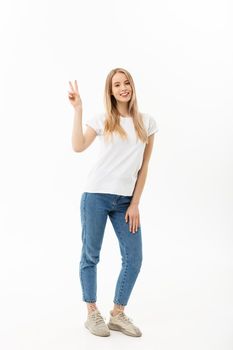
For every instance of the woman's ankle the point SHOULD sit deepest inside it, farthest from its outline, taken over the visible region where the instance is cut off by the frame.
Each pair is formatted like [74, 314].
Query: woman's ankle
[91, 307]
[117, 309]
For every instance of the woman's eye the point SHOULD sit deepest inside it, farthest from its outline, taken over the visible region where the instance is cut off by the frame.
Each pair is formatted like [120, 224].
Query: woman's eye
[117, 85]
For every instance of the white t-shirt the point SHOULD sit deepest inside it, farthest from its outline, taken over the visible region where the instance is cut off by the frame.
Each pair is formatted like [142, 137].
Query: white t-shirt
[119, 161]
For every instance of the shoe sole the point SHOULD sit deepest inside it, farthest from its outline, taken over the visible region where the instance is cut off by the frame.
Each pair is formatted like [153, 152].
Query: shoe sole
[119, 329]
[100, 335]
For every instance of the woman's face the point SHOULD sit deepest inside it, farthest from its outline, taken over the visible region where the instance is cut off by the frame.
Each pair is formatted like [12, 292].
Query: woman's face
[121, 88]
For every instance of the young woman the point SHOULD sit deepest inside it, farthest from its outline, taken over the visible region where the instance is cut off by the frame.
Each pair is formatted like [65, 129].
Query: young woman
[113, 189]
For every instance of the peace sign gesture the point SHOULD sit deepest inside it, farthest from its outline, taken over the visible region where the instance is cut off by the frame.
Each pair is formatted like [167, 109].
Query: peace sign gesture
[74, 96]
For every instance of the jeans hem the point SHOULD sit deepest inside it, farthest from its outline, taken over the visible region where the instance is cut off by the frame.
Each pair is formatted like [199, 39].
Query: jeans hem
[118, 303]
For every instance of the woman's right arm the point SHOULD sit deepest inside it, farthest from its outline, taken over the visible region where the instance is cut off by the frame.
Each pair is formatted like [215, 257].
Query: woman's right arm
[80, 141]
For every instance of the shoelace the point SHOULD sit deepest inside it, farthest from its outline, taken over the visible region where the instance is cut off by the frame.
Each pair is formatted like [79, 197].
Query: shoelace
[125, 318]
[97, 317]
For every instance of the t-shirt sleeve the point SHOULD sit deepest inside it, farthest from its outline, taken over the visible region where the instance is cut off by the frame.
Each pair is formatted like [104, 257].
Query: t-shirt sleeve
[153, 126]
[95, 123]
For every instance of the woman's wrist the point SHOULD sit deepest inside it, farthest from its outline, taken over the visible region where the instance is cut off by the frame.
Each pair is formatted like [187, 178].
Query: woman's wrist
[78, 109]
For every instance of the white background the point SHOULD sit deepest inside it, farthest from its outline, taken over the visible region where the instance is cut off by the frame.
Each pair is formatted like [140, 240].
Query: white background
[180, 55]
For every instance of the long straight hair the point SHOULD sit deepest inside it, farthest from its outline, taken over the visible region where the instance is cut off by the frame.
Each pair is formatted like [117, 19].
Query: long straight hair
[112, 117]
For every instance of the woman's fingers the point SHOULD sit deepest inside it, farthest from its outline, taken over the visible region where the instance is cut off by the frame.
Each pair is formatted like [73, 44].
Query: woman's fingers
[74, 96]
[71, 95]
[133, 216]
[71, 86]
[76, 86]
[74, 89]
[133, 223]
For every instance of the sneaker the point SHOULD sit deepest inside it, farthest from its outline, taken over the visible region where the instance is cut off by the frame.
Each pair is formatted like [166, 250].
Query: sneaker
[124, 324]
[96, 325]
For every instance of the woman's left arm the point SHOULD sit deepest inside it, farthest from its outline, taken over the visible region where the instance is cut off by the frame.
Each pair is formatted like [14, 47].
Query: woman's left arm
[133, 211]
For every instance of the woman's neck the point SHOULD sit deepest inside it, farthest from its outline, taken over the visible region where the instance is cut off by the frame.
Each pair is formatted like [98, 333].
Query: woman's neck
[123, 109]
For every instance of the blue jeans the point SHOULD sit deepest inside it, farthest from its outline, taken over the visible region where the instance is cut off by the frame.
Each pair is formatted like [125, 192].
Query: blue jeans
[95, 209]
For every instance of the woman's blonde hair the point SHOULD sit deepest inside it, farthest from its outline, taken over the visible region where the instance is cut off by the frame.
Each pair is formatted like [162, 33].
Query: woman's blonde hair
[112, 120]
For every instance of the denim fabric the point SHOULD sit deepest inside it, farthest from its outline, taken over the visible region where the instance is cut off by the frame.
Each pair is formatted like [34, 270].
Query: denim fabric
[95, 208]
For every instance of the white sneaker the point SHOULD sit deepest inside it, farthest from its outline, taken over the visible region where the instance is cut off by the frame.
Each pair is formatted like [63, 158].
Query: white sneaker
[124, 324]
[96, 325]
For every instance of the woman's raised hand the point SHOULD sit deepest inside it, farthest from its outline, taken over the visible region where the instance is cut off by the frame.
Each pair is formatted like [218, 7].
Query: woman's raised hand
[74, 96]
